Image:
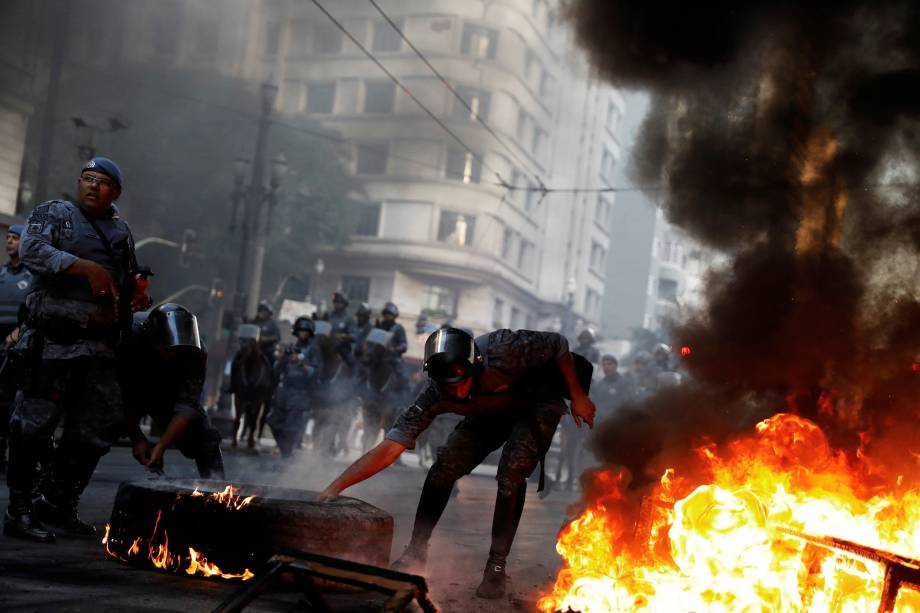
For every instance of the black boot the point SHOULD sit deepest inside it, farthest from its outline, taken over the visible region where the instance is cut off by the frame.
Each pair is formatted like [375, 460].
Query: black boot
[20, 522]
[63, 516]
[493, 579]
[413, 560]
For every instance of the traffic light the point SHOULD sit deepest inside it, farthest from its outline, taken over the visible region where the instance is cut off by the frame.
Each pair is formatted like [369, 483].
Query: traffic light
[189, 251]
[216, 296]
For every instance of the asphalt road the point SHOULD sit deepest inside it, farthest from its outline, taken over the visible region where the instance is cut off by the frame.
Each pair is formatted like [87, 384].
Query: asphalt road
[76, 575]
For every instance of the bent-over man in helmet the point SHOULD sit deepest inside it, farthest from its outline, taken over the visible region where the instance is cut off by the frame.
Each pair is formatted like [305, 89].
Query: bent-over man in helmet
[161, 372]
[509, 385]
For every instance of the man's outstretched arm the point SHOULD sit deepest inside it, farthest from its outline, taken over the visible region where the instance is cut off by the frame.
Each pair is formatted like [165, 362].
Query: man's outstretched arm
[363, 468]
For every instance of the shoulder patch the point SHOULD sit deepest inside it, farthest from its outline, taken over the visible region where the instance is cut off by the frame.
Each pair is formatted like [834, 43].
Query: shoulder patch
[35, 227]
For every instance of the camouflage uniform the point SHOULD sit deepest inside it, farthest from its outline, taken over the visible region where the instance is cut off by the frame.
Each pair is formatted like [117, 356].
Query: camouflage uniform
[164, 388]
[15, 282]
[69, 344]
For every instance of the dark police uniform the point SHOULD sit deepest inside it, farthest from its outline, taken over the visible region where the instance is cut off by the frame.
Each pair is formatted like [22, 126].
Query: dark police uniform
[164, 388]
[70, 340]
[521, 411]
[15, 284]
[268, 328]
[399, 343]
[343, 323]
[297, 370]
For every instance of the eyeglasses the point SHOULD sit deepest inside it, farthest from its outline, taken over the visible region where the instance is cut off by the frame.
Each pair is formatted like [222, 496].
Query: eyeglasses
[91, 179]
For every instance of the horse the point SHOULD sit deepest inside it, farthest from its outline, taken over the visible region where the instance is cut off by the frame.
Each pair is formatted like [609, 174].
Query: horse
[382, 388]
[251, 379]
[333, 398]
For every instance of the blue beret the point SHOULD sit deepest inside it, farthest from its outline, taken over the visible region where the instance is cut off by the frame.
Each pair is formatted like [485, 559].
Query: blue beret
[15, 229]
[106, 166]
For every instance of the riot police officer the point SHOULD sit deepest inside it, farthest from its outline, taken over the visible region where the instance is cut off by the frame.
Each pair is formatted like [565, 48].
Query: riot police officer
[15, 282]
[399, 343]
[82, 258]
[296, 370]
[162, 372]
[586, 346]
[343, 327]
[269, 333]
[363, 326]
[509, 385]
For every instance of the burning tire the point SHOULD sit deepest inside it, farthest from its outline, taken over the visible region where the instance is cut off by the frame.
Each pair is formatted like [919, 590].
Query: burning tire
[209, 528]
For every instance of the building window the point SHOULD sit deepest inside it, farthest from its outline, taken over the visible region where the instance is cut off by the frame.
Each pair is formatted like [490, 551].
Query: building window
[456, 228]
[529, 321]
[531, 196]
[546, 83]
[592, 303]
[321, 97]
[206, 38]
[515, 318]
[439, 301]
[386, 38]
[327, 39]
[525, 250]
[477, 99]
[598, 255]
[462, 166]
[539, 136]
[379, 97]
[372, 158]
[478, 42]
[667, 290]
[498, 313]
[272, 39]
[520, 131]
[602, 211]
[356, 288]
[507, 243]
[368, 220]
[297, 38]
[613, 117]
[608, 163]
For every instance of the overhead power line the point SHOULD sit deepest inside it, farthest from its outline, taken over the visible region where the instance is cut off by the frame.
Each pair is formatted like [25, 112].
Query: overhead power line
[452, 89]
[406, 90]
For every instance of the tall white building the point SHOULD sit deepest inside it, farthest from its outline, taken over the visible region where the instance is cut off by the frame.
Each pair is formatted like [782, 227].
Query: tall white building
[437, 233]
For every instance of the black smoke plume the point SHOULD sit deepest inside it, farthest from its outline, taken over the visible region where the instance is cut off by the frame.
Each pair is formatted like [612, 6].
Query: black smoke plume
[787, 136]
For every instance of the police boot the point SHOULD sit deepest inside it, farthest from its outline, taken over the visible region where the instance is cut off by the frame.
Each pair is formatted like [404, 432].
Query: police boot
[21, 522]
[413, 560]
[63, 516]
[493, 579]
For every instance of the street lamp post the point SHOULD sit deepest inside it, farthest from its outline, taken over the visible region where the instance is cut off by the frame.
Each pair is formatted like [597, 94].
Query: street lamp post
[252, 197]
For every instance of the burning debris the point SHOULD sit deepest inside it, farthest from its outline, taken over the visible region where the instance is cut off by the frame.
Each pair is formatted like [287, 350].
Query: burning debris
[211, 529]
[728, 532]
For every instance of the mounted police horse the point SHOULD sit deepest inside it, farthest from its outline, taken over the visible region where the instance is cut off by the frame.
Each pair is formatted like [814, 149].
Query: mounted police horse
[334, 396]
[251, 380]
[382, 387]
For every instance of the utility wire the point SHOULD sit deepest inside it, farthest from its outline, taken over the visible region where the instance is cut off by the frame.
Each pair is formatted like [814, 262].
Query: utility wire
[406, 90]
[451, 88]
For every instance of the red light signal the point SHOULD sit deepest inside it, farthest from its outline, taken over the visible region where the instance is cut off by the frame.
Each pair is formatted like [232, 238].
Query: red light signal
[685, 351]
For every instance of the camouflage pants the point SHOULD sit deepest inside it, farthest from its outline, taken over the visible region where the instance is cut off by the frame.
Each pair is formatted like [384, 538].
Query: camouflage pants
[526, 434]
[199, 442]
[84, 391]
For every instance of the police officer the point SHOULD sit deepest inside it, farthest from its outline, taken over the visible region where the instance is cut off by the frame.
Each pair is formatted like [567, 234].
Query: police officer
[15, 282]
[269, 333]
[296, 369]
[586, 346]
[363, 327]
[343, 327]
[509, 385]
[82, 258]
[399, 343]
[162, 372]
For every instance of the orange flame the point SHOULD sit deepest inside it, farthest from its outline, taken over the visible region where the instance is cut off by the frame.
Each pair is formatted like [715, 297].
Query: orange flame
[721, 548]
[159, 554]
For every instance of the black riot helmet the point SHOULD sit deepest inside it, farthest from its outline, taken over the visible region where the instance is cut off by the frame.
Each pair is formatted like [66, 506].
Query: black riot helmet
[303, 323]
[172, 326]
[363, 310]
[339, 298]
[451, 355]
[266, 306]
[390, 309]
